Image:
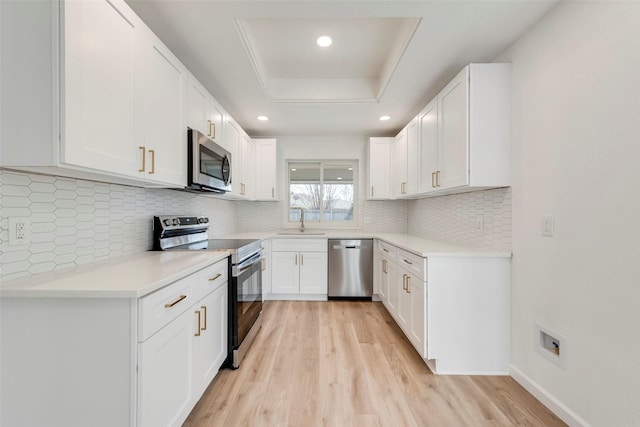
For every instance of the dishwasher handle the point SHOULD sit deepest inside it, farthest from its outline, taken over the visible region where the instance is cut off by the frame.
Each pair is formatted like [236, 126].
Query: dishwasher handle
[346, 247]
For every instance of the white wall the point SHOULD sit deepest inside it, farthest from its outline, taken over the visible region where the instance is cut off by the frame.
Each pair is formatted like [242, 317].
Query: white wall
[576, 155]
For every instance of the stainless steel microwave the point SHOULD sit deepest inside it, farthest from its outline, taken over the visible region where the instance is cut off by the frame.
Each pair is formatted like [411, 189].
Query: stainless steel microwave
[209, 164]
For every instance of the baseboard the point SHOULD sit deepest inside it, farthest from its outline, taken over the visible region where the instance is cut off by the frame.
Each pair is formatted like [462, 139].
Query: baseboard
[547, 399]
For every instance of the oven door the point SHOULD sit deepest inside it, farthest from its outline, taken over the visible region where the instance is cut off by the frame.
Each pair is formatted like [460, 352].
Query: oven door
[248, 296]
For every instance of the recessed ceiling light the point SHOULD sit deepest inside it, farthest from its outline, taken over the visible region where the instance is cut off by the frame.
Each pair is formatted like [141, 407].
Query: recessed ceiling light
[350, 169]
[294, 169]
[324, 41]
[263, 118]
[384, 118]
[339, 178]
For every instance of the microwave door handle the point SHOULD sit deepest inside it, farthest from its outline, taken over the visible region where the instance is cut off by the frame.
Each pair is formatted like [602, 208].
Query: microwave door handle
[225, 161]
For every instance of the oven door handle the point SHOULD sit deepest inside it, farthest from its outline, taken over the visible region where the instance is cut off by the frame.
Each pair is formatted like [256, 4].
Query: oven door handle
[247, 264]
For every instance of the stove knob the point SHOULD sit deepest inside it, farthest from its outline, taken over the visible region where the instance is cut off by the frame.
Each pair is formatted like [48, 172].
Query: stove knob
[206, 220]
[167, 222]
[176, 221]
[200, 220]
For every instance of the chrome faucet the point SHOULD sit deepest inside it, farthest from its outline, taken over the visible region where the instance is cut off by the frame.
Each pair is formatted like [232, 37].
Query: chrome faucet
[301, 219]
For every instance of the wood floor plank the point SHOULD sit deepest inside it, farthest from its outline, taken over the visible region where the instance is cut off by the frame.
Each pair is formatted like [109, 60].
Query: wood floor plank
[346, 363]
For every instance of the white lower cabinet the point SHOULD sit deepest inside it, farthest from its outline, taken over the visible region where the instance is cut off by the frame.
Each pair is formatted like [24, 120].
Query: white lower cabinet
[164, 374]
[299, 269]
[455, 310]
[104, 362]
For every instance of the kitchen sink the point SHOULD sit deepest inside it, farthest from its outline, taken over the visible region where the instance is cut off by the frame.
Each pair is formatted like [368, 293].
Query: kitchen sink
[302, 233]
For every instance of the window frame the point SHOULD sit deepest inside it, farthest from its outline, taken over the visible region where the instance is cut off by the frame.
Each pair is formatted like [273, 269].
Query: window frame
[322, 223]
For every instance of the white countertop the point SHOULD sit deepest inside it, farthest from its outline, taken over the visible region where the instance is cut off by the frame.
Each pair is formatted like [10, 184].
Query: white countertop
[131, 276]
[417, 245]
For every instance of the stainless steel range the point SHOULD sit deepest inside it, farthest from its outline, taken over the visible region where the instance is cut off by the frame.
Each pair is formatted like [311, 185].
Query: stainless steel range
[245, 284]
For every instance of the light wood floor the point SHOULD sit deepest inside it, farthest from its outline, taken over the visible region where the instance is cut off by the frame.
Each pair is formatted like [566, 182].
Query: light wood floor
[343, 363]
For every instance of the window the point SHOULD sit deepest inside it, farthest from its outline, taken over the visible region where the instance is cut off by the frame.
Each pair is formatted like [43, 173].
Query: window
[324, 190]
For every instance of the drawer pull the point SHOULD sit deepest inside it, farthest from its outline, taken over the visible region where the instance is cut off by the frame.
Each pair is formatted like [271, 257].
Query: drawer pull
[211, 279]
[204, 311]
[408, 288]
[197, 334]
[408, 262]
[169, 305]
[385, 249]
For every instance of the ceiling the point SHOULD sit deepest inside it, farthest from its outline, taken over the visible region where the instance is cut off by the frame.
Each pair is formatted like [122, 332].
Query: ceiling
[387, 57]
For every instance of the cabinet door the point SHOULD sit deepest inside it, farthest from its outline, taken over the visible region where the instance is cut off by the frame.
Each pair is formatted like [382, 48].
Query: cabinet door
[265, 167]
[395, 286]
[165, 374]
[215, 118]
[313, 272]
[453, 134]
[379, 168]
[429, 146]
[197, 106]
[285, 272]
[164, 132]
[209, 338]
[418, 313]
[383, 291]
[247, 171]
[404, 300]
[100, 46]
[232, 142]
[400, 164]
[413, 158]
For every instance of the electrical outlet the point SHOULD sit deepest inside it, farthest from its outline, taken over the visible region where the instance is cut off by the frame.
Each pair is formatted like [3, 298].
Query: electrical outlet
[480, 224]
[367, 220]
[19, 231]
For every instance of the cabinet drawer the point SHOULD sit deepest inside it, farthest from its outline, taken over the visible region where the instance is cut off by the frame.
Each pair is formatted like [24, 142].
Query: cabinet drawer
[387, 250]
[299, 245]
[209, 279]
[412, 263]
[161, 307]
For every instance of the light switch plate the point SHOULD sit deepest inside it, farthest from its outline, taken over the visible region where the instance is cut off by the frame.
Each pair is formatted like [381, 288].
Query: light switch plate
[547, 226]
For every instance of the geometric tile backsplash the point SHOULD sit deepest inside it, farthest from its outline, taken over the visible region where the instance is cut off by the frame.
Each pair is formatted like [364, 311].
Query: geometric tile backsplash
[453, 218]
[75, 221]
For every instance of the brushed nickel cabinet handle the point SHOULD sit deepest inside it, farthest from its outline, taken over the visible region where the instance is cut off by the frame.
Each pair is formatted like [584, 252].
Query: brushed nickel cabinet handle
[408, 287]
[143, 152]
[372, 191]
[197, 334]
[404, 282]
[385, 249]
[407, 261]
[301, 259]
[437, 178]
[211, 279]
[433, 178]
[171, 304]
[209, 135]
[273, 193]
[296, 261]
[204, 311]
[212, 132]
[153, 161]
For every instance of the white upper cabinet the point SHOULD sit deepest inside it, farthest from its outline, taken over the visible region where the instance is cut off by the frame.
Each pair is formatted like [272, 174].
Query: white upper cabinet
[461, 141]
[453, 136]
[115, 111]
[474, 129]
[265, 161]
[164, 137]
[428, 129]
[248, 168]
[379, 168]
[204, 113]
[413, 158]
[101, 42]
[399, 170]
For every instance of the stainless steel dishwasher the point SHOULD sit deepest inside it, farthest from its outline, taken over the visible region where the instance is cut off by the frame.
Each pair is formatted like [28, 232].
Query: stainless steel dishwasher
[350, 269]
